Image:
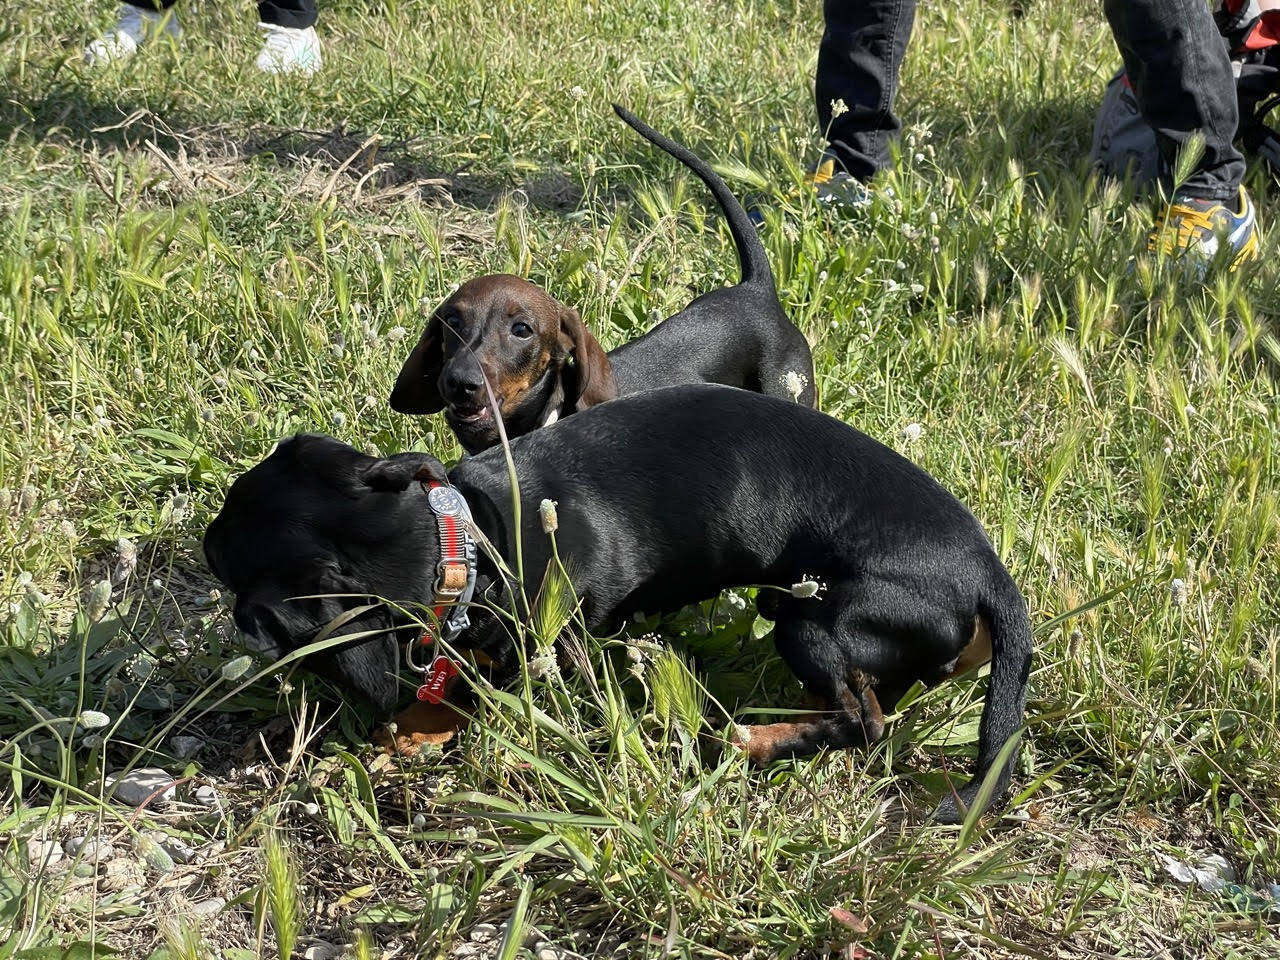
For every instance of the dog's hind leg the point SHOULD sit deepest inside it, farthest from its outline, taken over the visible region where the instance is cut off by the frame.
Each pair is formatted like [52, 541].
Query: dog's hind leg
[850, 714]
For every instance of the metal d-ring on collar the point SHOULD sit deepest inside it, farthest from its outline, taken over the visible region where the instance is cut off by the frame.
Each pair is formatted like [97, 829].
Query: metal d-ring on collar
[455, 582]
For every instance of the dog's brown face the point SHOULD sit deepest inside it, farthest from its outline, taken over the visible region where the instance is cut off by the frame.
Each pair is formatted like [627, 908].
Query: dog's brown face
[534, 352]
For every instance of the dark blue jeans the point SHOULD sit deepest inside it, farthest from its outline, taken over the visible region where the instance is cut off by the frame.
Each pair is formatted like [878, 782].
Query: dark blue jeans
[863, 44]
[1175, 57]
[299, 14]
[1181, 75]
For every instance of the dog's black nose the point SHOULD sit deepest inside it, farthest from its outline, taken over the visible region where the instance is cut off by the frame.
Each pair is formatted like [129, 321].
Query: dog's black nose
[463, 384]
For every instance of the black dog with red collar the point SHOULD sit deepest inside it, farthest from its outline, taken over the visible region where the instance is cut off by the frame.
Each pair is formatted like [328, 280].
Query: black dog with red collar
[665, 498]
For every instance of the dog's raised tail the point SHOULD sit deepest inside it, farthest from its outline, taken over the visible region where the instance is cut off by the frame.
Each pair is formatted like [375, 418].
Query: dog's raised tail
[1005, 704]
[753, 261]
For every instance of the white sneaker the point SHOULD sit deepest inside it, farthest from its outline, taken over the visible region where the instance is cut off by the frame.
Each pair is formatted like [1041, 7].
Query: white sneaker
[134, 26]
[289, 50]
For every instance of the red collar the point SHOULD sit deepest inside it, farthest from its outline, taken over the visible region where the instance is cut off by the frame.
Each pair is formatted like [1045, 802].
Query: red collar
[454, 587]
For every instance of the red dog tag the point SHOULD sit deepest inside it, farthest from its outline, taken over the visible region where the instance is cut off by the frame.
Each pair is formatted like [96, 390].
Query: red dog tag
[441, 671]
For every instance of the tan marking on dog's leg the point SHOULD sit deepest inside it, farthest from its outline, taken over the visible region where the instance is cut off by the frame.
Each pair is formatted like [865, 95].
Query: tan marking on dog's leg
[977, 651]
[862, 703]
[764, 742]
[419, 725]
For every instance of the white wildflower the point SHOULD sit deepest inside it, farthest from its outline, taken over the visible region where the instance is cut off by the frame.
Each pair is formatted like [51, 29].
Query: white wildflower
[237, 668]
[311, 809]
[99, 598]
[547, 514]
[142, 666]
[795, 382]
[577, 93]
[128, 559]
[396, 334]
[93, 719]
[544, 666]
[1178, 591]
[912, 432]
[917, 289]
[838, 108]
[28, 498]
[339, 420]
[807, 588]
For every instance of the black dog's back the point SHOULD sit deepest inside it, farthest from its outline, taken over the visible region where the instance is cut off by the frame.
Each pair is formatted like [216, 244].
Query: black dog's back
[737, 335]
[672, 495]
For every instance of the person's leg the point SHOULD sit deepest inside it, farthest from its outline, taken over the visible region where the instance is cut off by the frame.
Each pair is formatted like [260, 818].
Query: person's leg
[1181, 75]
[863, 43]
[291, 44]
[136, 22]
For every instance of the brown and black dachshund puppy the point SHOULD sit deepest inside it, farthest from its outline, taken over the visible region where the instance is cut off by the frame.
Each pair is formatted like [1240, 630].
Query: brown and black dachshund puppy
[543, 364]
[665, 498]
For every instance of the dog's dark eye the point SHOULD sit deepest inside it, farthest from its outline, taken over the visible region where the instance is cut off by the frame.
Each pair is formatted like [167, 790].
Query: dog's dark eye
[453, 320]
[522, 330]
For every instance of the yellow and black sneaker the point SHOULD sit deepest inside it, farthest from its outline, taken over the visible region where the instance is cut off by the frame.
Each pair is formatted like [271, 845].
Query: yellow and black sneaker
[835, 187]
[1204, 231]
[831, 186]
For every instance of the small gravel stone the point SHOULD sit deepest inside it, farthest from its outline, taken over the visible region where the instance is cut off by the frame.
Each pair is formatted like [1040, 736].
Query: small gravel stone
[465, 950]
[43, 853]
[184, 748]
[207, 908]
[137, 785]
[208, 797]
[89, 849]
[321, 951]
[484, 932]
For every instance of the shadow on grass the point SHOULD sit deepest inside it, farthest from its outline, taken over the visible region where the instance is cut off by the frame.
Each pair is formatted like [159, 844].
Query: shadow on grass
[379, 167]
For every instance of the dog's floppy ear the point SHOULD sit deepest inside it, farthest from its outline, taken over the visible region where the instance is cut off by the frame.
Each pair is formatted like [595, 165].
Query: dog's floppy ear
[417, 389]
[588, 378]
[394, 474]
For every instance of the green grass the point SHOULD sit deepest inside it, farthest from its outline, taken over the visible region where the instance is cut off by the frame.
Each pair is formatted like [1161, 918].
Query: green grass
[196, 260]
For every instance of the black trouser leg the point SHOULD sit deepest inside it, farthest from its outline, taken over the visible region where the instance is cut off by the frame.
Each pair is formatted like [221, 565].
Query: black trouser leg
[285, 13]
[863, 43]
[1181, 75]
[298, 14]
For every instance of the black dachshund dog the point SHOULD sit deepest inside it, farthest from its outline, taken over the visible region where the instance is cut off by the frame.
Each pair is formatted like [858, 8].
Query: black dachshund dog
[664, 498]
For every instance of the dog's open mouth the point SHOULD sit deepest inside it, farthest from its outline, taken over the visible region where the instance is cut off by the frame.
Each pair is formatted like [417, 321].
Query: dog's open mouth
[471, 416]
